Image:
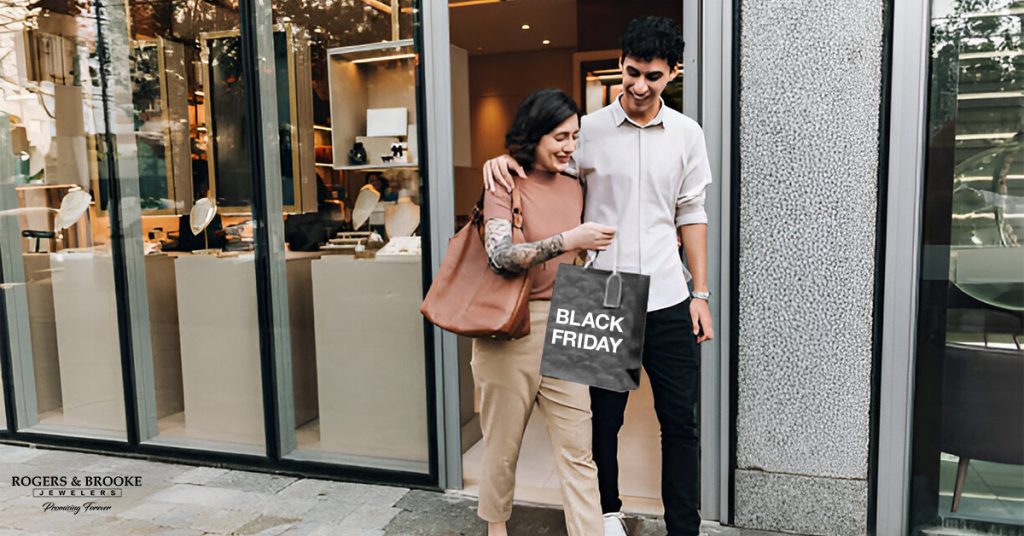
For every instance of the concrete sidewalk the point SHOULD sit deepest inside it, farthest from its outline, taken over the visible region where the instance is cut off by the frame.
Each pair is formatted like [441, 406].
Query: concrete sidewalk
[185, 500]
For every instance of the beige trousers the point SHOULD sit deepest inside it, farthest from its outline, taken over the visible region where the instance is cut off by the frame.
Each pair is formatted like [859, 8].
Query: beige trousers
[508, 374]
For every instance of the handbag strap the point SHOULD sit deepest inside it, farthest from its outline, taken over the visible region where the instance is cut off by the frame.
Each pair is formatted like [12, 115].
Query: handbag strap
[477, 217]
[517, 215]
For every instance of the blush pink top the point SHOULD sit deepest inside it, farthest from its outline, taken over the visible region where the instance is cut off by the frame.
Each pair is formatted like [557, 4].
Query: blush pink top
[552, 204]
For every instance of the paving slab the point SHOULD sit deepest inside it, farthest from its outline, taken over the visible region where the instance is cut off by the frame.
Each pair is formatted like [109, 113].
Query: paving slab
[199, 475]
[183, 500]
[246, 481]
[17, 455]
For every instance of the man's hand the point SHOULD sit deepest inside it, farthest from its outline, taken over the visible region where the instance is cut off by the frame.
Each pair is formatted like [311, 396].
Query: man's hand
[499, 170]
[700, 313]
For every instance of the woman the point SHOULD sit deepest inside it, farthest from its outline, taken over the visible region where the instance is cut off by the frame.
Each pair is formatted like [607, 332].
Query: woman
[542, 139]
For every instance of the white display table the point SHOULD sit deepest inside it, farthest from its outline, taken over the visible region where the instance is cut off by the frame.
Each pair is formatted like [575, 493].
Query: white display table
[220, 346]
[89, 354]
[43, 327]
[80, 310]
[370, 357]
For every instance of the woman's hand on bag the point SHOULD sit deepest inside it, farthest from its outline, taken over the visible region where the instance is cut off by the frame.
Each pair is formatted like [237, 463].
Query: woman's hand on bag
[588, 236]
[499, 170]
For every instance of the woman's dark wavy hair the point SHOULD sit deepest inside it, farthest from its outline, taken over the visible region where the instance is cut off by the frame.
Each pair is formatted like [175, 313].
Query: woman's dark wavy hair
[538, 115]
[647, 38]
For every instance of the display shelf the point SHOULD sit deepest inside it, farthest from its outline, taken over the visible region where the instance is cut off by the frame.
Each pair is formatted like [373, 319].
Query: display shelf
[367, 82]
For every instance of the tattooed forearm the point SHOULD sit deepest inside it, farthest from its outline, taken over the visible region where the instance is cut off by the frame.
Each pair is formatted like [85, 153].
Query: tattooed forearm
[515, 258]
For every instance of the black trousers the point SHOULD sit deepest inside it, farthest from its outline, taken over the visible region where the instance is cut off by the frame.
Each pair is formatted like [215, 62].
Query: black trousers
[672, 361]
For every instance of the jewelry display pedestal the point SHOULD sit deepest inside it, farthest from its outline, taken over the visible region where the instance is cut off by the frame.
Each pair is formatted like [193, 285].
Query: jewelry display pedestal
[88, 348]
[220, 346]
[370, 357]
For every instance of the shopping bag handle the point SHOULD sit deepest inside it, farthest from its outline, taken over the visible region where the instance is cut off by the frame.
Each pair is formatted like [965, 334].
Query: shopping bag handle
[612, 285]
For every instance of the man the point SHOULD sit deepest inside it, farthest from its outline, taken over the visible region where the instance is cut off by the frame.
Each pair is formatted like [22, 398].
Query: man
[646, 169]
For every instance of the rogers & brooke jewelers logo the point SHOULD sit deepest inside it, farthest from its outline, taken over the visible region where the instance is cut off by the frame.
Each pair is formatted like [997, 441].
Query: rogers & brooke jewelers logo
[91, 487]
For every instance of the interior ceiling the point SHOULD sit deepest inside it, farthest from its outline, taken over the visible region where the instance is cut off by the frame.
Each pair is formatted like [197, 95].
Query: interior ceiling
[496, 28]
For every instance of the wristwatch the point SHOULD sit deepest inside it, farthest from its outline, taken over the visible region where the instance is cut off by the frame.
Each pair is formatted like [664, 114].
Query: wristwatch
[701, 295]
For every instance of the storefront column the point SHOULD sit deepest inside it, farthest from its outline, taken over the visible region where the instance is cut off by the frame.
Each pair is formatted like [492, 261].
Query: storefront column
[811, 83]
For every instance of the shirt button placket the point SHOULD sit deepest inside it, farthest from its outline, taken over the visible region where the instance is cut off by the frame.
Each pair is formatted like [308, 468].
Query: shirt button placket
[639, 200]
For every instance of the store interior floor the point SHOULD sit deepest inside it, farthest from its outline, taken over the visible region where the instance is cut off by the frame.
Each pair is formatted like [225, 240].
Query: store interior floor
[639, 460]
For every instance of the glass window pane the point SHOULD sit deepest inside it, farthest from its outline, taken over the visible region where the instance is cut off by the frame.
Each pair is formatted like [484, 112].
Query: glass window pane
[347, 117]
[968, 467]
[63, 277]
[192, 141]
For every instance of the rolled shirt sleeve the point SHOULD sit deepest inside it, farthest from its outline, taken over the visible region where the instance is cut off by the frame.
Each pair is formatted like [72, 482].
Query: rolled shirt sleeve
[696, 178]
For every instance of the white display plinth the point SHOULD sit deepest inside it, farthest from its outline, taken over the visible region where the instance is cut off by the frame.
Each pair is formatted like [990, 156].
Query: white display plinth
[220, 347]
[370, 357]
[89, 354]
[43, 325]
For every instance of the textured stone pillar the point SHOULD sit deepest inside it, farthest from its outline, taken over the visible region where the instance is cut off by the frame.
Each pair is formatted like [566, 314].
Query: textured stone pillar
[810, 82]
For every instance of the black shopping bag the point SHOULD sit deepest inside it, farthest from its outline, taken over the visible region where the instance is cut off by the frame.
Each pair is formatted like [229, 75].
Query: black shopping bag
[595, 332]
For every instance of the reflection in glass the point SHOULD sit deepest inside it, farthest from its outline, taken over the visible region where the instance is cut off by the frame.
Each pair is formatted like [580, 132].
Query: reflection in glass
[968, 467]
[988, 227]
[61, 276]
[229, 128]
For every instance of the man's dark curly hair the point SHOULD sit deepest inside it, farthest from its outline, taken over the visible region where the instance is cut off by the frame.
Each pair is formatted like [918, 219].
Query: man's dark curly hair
[538, 115]
[647, 38]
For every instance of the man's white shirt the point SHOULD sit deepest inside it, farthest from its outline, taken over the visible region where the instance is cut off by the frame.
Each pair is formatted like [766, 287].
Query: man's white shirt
[645, 181]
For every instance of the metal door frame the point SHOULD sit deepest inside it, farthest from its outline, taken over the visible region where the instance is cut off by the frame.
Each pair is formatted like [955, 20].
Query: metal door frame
[906, 137]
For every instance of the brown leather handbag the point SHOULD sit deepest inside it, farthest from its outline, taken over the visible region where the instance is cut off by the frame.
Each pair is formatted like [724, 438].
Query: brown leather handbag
[467, 297]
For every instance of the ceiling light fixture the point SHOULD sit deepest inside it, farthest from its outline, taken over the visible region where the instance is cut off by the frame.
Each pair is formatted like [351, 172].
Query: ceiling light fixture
[999, 13]
[467, 3]
[992, 54]
[385, 58]
[526, 26]
[991, 95]
[591, 78]
[986, 136]
[988, 178]
[546, 42]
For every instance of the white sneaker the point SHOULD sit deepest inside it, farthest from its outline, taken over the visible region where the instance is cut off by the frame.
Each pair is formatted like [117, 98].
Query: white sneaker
[614, 524]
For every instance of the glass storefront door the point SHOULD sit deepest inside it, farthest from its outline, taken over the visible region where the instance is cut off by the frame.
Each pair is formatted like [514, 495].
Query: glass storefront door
[968, 450]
